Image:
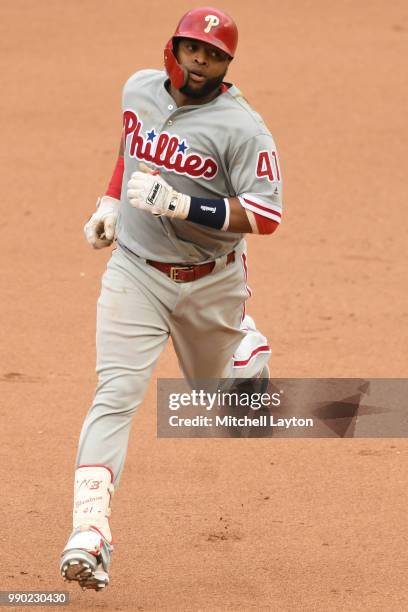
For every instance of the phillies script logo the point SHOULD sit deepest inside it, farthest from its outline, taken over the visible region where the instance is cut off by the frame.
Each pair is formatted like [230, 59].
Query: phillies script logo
[165, 150]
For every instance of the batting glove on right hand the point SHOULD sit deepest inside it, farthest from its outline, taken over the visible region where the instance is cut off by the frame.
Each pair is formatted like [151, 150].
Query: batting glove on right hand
[100, 229]
[149, 191]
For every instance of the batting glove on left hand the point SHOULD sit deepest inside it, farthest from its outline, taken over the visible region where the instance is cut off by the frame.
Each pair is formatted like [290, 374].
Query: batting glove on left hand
[150, 192]
[100, 229]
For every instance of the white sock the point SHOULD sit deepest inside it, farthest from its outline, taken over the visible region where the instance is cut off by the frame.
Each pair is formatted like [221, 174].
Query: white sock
[93, 490]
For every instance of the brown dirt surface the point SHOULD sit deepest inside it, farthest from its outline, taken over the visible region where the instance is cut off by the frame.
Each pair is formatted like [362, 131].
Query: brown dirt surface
[285, 525]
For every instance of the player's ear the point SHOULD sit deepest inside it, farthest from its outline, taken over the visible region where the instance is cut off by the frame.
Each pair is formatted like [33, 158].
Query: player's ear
[176, 42]
[229, 60]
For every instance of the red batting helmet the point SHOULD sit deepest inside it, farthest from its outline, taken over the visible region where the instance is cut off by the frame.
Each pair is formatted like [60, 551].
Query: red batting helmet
[207, 24]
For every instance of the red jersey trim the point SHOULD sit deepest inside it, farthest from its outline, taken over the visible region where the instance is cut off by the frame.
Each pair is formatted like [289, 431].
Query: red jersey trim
[259, 207]
[264, 348]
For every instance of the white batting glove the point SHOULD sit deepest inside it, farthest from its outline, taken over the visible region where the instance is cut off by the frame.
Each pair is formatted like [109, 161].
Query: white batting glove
[100, 229]
[148, 191]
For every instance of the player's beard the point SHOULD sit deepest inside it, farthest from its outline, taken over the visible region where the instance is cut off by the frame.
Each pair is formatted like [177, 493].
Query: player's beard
[207, 88]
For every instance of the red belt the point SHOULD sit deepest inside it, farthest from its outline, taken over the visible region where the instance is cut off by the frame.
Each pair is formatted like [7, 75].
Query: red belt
[187, 274]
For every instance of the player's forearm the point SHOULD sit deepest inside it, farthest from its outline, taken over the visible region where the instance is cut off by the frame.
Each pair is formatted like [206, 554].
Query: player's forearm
[238, 220]
[148, 191]
[229, 215]
[226, 214]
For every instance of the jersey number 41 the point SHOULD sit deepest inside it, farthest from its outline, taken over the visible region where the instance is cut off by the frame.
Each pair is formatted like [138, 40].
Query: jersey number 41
[268, 166]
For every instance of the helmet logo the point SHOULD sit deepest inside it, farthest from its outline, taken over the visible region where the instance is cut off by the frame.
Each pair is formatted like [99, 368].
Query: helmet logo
[213, 21]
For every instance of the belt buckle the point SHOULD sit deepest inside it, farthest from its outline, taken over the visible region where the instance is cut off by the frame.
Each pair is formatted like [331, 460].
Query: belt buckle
[174, 270]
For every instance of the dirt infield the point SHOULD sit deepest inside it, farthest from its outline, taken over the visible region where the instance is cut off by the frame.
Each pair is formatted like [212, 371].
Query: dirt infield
[285, 525]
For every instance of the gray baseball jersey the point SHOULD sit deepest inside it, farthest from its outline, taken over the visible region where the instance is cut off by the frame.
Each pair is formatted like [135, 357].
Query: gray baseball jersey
[214, 150]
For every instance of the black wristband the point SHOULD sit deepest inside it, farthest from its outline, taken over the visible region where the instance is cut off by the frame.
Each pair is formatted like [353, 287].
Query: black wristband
[212, 213]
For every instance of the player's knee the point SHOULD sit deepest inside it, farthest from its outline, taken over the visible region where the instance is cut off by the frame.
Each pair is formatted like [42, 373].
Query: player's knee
[121, 390]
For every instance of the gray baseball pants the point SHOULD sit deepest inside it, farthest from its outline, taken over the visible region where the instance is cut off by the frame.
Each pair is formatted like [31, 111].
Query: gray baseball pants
[138, 309]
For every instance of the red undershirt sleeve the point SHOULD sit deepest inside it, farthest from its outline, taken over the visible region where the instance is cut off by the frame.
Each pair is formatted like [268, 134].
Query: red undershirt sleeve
[265, 225]
[115, 184]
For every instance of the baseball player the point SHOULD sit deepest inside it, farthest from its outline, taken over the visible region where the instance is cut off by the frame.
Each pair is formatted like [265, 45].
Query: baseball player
[197, 170]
